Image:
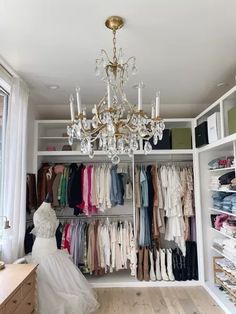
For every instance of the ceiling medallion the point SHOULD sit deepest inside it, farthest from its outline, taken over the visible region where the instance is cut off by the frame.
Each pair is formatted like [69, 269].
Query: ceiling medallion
[117, 126]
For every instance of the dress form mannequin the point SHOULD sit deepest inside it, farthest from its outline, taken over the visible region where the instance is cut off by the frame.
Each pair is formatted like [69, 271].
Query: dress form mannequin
[62, 288]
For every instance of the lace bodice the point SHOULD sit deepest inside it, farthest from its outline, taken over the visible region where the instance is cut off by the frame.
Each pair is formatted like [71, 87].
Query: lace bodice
[45, 221]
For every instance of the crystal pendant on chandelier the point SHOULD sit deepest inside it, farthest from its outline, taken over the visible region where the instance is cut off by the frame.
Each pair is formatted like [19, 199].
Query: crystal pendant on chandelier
[117, 126]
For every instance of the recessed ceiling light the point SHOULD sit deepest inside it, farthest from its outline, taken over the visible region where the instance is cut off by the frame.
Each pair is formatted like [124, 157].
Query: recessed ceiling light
[53, 86]
[220, 84]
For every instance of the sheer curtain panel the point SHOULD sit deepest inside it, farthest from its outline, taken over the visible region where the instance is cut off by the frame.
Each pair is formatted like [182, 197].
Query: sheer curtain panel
[14, 171]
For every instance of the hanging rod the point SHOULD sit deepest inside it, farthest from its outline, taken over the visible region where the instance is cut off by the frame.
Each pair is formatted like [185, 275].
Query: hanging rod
[88, 217]
[163, 161]
[94, 216]
[84, 162]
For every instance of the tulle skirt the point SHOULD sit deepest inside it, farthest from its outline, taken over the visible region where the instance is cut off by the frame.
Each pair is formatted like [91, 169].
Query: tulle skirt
[62, 288]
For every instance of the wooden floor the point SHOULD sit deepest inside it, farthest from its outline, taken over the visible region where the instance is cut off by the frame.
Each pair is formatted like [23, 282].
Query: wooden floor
[190, 300]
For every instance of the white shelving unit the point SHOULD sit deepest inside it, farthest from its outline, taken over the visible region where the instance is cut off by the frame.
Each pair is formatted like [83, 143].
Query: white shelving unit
[51, 132]
[225, 146]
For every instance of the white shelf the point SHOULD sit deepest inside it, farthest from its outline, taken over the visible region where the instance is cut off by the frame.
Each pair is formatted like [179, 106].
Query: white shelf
[223, 234]
[222, 254]
[222, 169]
[101, 153]
[76, 156]
[53, 121]
[68, 153]
[53, 138]
[222, 212]
[226, 191]
[221, 144]
[166, 152]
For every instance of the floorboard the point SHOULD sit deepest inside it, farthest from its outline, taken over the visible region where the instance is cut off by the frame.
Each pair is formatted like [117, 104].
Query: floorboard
[189, 300]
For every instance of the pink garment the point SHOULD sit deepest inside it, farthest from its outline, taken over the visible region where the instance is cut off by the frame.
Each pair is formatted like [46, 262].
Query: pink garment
[59, 169]
[89, 189]
[92, 209]
[65, 243]
[81, 206]
[85, 191]
[219, 221]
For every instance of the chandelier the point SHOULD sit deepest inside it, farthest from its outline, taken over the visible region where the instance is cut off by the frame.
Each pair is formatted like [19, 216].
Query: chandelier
[116, 126]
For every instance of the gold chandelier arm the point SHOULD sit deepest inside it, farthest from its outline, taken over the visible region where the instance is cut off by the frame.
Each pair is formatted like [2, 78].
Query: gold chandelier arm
[92, 132]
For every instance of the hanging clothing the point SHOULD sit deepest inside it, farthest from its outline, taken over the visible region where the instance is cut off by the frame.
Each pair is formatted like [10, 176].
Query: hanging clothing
[31, 193]
[101, 247]
[87, 189]
[165, 197]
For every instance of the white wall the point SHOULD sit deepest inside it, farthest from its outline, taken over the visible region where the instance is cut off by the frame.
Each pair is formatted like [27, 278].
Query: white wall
[32, 113]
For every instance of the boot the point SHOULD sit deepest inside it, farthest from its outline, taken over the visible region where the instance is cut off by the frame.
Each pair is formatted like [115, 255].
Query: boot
[146, 276]
[163, 265]
[152, 272]
[175, 264]
[158, 270]
[169, 265]
[194, 260]
[184, 268]
[140, 264]
[188, 260]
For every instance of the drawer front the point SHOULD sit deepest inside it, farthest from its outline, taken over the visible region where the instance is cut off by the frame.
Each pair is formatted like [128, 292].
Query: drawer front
[28, 305]
[14, 302]
[28, 285]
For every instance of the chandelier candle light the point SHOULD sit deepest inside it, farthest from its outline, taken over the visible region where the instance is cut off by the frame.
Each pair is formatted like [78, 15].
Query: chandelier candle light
[116, 125]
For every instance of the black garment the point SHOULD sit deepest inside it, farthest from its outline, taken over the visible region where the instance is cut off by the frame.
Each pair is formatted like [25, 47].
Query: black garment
[75, 192]
[194, 260]
[121, 188]
[29, 240]
[227, 178]
[31, 193]
[150, 198]
[179, 265]
[59, 232]
[42, 183]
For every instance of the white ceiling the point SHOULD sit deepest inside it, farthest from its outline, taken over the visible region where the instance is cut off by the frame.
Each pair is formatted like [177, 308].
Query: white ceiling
[184, 48]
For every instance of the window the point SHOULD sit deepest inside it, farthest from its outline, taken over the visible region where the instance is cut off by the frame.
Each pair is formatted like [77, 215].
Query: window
[4, 93]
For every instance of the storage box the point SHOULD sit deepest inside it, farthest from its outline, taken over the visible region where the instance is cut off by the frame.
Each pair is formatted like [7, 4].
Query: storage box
[201, 134]
[181, 138]
[213, 127]
[165, 143]
[232, 120]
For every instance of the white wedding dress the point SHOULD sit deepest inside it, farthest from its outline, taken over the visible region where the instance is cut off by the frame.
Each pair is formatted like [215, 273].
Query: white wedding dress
[62, 288]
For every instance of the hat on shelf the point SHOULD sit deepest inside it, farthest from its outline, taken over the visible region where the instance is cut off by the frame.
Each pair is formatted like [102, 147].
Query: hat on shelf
[67, 147]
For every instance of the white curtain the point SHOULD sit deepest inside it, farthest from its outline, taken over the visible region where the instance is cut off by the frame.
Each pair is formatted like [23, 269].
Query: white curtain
[14, 171]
